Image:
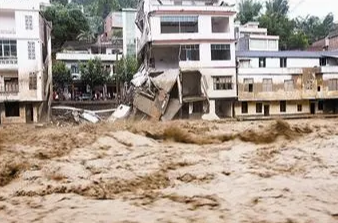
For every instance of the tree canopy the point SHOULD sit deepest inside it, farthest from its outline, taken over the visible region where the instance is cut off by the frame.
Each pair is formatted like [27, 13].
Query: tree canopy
[68, 21]
[61, 75]
[294, 33]
[125, 68]
[93, 73]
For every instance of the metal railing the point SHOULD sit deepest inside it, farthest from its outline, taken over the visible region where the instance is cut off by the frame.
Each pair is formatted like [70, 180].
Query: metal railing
[7, 31]
[8, 61]
[9, 89]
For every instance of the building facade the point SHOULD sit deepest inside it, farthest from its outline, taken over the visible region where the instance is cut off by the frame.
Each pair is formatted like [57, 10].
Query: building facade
[196, 38]
[130, 32]
[25, 62]
[286, 83]
[252, 38]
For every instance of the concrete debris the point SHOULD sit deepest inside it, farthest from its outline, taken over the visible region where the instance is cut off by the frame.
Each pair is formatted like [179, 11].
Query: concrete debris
[90, 117]
[76, 115]
[121, 112]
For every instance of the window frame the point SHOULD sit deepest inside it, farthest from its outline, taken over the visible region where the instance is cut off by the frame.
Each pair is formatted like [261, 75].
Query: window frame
[283, 62]
[267, 85]
[259, 108]
[29, 22]
[287, 85]
[282, 106]
[225, 81]
[247, 82]
[31, 50]
[184, 49]
[215, 50]
[244, 107]
[264, 62]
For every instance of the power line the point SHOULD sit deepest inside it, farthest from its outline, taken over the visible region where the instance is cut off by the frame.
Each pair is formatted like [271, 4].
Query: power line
[297, 5]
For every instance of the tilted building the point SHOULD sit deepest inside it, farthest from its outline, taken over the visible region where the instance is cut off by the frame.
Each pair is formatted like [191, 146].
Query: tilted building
[188, 53]
[25, 61]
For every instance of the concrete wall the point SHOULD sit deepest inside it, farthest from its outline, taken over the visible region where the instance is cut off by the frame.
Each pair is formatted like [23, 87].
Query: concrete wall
[291, 62]
[274, 107]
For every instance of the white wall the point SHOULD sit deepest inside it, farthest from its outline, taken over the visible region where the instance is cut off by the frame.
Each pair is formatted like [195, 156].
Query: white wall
[291, 62]
[7, 21]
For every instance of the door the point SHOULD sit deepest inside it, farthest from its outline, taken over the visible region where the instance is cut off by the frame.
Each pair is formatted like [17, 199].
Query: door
[266, 110]
[29, 113]
[313, 108]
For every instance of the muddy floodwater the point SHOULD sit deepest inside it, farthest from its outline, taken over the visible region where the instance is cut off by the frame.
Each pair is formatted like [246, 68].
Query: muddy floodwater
[180, 171]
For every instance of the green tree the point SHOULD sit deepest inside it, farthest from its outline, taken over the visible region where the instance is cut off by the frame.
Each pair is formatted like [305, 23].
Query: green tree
[125, 68]
[248, 11]
[118, 33]
[86, 36]
[67, 21]
[93, 74]
[61, 75]
[62, 2]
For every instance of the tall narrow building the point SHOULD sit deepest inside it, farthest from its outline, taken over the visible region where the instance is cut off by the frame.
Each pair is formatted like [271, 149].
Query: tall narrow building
[25, 61]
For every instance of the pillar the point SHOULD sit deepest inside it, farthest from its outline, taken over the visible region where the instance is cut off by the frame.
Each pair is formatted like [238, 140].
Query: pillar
[212, 112]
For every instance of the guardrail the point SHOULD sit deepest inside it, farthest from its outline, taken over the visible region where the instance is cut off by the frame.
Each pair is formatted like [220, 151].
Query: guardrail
[7, 61]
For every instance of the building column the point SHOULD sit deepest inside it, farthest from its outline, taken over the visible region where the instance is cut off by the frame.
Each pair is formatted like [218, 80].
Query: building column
[35, 113]
[212, 112]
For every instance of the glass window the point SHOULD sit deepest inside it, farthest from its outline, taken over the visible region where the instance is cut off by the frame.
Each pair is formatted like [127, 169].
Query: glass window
[299, 108]
[288, 85]
[262, 62]
[259, 108]
[29, 22]
[220, 52]
[7, 48]
[222, 83]
[248, 84]
[267, 84]
[31, 50]
[190, 52]
[333, 84]
[179, 24]
[282, 106]
[32, 81]
[283, 62]
[244, 107]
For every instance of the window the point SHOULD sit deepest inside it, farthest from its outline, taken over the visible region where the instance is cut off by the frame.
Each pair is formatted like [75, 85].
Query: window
[7, 49]
[179, 24]
[31, 50]
[74, 69]
[12, 109]
[283, 62]
[32, 81]
[248, 84]
[220, 24]
[259, 108]
[320, 105]
[222, 83]
[244, 107]
[288, 85]
[267, 84]
[29, 22]
[262, 62]
[318, 88]
[299, 108]
[322, 61]
[282, 106]
[220, 52]
[190, 52]
[333, 84]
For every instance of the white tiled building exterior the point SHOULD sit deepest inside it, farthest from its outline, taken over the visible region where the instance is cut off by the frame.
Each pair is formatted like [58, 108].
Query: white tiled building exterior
[196, 37]
[25, 61]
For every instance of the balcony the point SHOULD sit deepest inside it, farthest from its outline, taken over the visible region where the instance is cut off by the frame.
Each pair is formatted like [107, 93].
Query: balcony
[8, 63]
[9, 92]
[86, 57]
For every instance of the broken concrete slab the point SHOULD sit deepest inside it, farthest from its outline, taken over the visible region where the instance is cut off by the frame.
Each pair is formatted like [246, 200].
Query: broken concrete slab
[166, 80]
[173, 107]
[121, 112]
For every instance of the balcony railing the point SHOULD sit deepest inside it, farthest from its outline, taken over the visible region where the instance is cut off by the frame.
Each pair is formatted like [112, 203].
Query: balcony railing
[8, 61]
[7, 31]
[9, 89]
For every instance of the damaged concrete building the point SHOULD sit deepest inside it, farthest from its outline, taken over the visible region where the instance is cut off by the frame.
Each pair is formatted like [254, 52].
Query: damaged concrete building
[188, 52]
[25, 62]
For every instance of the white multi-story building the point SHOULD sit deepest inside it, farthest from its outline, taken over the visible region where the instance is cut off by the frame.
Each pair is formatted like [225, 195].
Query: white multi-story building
[25, 61]
[286, 83]
[253, 38]
[196, 37]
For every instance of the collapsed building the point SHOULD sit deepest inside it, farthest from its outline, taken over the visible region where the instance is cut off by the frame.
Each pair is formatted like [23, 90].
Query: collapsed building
[188, 52]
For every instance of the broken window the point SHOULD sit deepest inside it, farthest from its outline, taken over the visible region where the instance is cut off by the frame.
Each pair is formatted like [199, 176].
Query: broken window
[248, 84]
[244, 107]
[259, 108]
[179, 24]
[190, 52]
[299, 108]
[333, 84]
[283, 62]
[223, 83]
[267, 84]
[220, 52]
[262, 62]
[288, 85]
[220, 24]
[282, 105]
[12, 109]
[32, 81]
